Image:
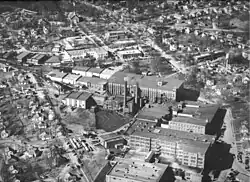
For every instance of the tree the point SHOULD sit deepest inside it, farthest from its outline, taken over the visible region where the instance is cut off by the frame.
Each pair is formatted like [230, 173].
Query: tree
[156, 65]
[135, 67]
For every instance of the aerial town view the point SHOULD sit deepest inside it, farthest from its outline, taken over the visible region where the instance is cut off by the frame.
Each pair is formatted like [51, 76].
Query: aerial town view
[125, 91]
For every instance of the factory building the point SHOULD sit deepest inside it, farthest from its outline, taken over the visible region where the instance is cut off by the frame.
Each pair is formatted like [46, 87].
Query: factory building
[188, 148]
[79, 99]
[150, 87]
[193, 117]
[137, 171]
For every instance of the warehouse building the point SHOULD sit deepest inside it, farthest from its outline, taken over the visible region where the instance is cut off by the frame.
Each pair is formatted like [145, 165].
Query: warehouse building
[94, 72]
[79, 99]
[188, 148]
[111, 140]
[137, 171]
[71, 79]
[98, 84]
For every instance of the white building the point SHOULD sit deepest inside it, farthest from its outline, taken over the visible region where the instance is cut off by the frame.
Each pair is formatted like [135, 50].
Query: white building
[129, 54]
[71, 79]
[56, 76]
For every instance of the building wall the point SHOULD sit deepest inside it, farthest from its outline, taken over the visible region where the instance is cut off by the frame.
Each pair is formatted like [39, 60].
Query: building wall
[151, 93]
[167, 149]
[187, 127]
[89, 74]
[81, 103]
[110, 178]
[56, 79]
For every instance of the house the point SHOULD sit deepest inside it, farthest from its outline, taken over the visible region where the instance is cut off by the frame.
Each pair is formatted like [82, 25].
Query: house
[93, 82]
[79, 99]
[94, 72]
[80, 70]
[22, 57]
[53, 61]
[56, 76]
[71, 79]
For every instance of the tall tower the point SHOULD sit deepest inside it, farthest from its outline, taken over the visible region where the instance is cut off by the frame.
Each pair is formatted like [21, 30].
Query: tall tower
[125, 95]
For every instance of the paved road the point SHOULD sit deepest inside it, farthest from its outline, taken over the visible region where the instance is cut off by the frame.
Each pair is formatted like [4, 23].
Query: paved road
[229, 138]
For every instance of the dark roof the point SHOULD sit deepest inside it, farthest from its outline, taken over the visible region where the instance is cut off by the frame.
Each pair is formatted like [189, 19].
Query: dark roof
[192, 142]
[53, 59]
[81, 68]
[74, 95]
[79, 95]
[84, 96]
[96, 70]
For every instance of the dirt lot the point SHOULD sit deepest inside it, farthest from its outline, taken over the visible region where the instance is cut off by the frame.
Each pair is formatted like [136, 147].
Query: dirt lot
[109, 121]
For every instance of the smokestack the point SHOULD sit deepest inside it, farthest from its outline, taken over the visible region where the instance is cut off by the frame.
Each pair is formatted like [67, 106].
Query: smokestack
[125, 95]
[136, 92]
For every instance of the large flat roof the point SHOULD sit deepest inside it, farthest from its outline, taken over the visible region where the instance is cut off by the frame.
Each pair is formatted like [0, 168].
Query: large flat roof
[169, 83]
[154, 112]
[138, 170]
[196, 142]
[200, 115]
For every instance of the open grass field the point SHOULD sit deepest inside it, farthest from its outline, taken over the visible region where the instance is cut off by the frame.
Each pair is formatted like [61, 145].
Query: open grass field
[109, 121]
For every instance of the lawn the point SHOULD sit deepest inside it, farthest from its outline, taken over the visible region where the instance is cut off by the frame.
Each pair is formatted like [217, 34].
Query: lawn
[109, 121]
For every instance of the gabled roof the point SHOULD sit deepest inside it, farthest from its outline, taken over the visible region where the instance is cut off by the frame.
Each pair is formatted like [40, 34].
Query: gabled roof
[22, 55]
[53, 59]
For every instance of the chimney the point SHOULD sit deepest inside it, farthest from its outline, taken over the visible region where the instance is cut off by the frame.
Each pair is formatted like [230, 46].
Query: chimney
[136, 93]
[125, 95]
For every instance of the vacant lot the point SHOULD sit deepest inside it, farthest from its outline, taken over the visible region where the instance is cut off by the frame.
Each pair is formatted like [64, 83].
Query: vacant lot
[109, 121]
